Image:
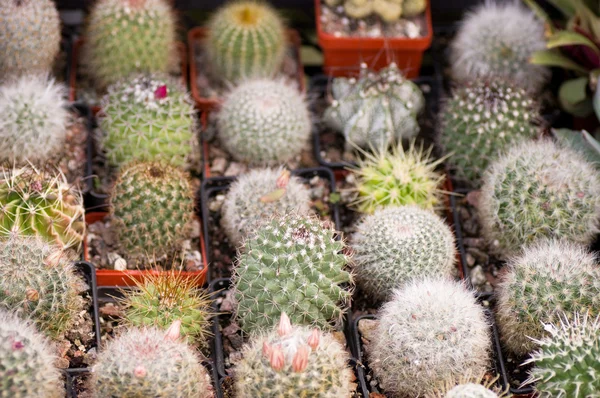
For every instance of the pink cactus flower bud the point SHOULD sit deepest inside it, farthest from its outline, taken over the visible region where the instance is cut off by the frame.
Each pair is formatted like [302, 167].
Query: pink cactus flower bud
[266, 349]
[174, 331]
[285, 325]
[300, 361]
[161, 92]
[140, 372]
[314, 339]
[277, 359]
[283, 179]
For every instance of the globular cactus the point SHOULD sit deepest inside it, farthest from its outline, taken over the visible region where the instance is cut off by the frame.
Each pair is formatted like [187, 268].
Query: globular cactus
[27, 361]
[123, 37]
[29, 37]
[148, 117]
[149, 363]
[496, 40]
[264, 122]
[255, 196]
[548, 278]
[539, 190]
[471, 386]
[152, 206]
[431, 331]
[481, 121]
[396, 244]
[375, 109]
[34, 202]
[294, 361]
[246, 39]
[388, 10]
[471, 391]
[292, 264]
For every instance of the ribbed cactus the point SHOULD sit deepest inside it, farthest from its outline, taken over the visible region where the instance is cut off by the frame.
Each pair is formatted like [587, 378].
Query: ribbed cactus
[396, 244]
[292, 264]
[29, 37]
[123, 37]
[548, 278]
[496, 40]
[27, 360]
[375, 109]
[148, 117]
[255, 196]
[431, 331]
[263, 122]
[246, 39]
[388, 10]
[481, 121]
[539, 190]
[33, 202]
[294, 361]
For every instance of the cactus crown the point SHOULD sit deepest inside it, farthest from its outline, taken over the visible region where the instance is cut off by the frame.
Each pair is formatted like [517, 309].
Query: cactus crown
[471, 386]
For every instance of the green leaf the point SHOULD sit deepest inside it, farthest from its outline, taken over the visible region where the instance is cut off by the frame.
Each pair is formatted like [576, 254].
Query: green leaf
[580, 141]
[555, 58]
[574, 98]
[567, 38]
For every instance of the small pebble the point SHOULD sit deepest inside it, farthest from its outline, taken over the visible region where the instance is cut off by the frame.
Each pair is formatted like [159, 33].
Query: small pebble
[478, 276]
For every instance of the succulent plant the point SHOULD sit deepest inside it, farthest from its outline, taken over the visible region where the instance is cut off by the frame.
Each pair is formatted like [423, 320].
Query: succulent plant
[396, 244]
[471, 390]
[255, 196]
[471, 386]
[294, 361]
[539, 190]
[292, 264]
[124, 37]
[246, 39]
[431, 331]
[146, 118]
[481, 121]
[388, 10]
[26, 361]
[375, 109]
[264, 122]
[496, 40]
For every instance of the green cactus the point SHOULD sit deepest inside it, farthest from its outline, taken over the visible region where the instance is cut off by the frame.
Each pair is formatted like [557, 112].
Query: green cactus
[292, 264]
[388, 10]
[264, 122]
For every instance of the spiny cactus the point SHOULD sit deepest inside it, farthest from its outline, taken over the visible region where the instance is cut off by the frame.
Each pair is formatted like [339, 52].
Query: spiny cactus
[471, 386]
[539, 190]
[294, 361]
[396, 244]
[148, 117]
[431, 331]
[246, 39]
[481, 121]
[378, 108]
[471, 391]
[152, 208]
[149, 363]
[264, 121]
[548, 278]
[496, 40]
[388, 10]
[255, 196]
[26, 361]
[123, 37]
[33, 202]
[292, 264]
[29, 37]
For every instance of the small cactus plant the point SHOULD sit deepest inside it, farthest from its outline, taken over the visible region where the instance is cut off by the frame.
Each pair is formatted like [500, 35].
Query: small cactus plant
[539, 190]
[388, 10]
[471, 390]
[548, 278]
[294, 361]
[292, 264]
[471, 386]
[27, 361]
[264, 122]
[246, 39]
[375, 109]
[256, 196]
[396, 244]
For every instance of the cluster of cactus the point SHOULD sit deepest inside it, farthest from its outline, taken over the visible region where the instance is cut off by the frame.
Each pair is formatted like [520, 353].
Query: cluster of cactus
[396, 244]
[375, 109]
[264, 121]
[388, 10]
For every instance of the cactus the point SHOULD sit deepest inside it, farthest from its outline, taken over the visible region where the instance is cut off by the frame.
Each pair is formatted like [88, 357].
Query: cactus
[496, 40]
[483, 120]
[378, 108]
[431, 331]
[292, 264]
[124, 37]
[246, 39]
[548, 278]
[148, 118]
[26, 361]
[388, 10]
[471, 391]
[396, 244]
[539, 190]
[294, 361]
[256, 196]
[471, 386]
[263, 122]
[33, 202]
